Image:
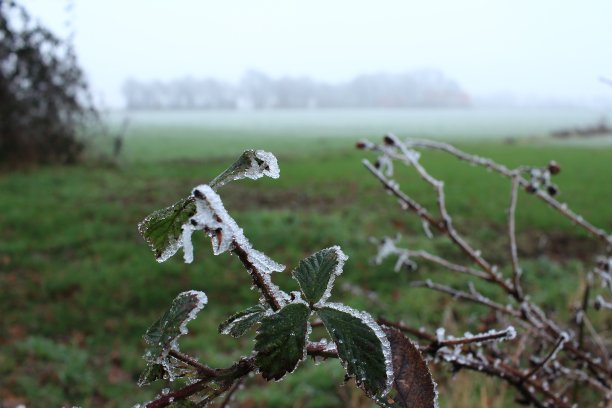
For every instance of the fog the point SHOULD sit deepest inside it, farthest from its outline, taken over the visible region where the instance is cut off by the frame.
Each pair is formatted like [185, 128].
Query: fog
[546, 52]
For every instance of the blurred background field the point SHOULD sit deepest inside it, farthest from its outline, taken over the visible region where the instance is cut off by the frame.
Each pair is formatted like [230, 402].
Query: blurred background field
[80, 287]
[182, 88]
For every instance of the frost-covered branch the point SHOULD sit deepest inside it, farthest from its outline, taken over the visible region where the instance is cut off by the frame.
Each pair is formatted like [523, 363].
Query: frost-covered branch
[542, 384]
[396, 149]
[551, 356]
[471, 297]
[562, 208]
[516, 267]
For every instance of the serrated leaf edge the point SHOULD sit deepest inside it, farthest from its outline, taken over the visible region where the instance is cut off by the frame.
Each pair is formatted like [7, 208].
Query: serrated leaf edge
[369, 321]
[230, 322]
[307, 336]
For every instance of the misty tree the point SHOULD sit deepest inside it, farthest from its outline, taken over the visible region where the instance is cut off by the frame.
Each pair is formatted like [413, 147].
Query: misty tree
[44, 99]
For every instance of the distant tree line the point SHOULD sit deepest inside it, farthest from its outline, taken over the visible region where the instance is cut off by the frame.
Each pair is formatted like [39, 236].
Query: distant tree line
[423, 88]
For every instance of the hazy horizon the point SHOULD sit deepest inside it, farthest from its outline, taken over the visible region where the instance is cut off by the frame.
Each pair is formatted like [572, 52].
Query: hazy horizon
[508, 50]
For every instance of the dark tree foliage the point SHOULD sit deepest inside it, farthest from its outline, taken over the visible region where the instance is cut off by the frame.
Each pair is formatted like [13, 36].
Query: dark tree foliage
[44, 99]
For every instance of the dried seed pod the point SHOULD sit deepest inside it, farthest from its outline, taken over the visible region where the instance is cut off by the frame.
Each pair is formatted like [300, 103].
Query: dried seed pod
[388, 140]
[552, 190]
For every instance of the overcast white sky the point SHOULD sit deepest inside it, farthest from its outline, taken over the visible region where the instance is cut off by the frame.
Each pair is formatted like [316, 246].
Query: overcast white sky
[540, 48]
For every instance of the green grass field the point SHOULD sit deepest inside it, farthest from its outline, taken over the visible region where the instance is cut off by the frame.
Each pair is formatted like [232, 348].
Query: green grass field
[79, 286]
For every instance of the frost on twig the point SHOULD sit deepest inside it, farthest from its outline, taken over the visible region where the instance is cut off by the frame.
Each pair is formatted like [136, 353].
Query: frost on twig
[550, 380]
[387, 247]
[601, 304]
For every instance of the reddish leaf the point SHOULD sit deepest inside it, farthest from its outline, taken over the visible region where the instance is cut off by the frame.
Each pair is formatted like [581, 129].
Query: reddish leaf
[413, 383]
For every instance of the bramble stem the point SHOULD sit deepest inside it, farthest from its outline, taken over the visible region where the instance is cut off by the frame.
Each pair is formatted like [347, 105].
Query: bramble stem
[258, 278]
[516, 267]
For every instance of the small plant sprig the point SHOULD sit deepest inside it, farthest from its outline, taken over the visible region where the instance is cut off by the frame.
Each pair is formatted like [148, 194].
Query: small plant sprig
[551, 359]
[376, 357]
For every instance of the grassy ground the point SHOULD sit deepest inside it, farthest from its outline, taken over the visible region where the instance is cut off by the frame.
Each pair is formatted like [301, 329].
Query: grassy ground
[79, 286]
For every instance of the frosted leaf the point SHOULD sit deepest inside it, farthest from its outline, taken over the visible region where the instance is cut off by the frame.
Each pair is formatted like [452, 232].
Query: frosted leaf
[212, 217]
[162, 336]
[362, 345]
[317, 273]
[165, 232]
[413, 381]
[242, 321]
[280, 344]
[251, 164]
[162, 229]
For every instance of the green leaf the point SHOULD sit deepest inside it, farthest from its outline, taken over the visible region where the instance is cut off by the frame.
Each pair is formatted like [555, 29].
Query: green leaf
[413, 383]
[162, 229]
[281, 341]
[240, 322]
[163, 334]
[152, 372]
[251, 164]
[362, 347]
[317, 273]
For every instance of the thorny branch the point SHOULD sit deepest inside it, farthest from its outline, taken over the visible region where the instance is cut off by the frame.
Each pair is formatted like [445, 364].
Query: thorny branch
[545, 383]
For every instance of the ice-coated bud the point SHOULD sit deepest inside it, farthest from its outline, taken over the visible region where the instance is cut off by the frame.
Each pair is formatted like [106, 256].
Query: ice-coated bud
[553, 167]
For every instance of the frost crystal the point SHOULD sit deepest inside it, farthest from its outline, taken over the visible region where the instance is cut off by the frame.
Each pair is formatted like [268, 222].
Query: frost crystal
[387, 247]
[187, 244]
[341, 258]
[212, 217]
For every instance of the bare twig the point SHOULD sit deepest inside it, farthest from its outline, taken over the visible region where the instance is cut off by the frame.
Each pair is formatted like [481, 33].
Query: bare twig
[562, 339]
[503, 170]
[230, 393]
[516, 267]
[475, 298]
